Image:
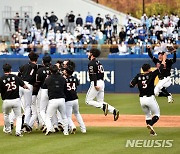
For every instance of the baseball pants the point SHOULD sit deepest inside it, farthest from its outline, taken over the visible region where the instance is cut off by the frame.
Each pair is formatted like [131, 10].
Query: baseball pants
[15, 105]
[53, 106]
[150, 106]
[166, 82]
[44, 100]
[73, 106]
[26, 95]
[99, 95]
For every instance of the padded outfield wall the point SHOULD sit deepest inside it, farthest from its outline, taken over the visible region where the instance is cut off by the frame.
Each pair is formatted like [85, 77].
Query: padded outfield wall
[118, 73]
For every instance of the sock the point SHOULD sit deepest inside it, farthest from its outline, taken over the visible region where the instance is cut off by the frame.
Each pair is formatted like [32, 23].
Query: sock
[154, 120]
[148, 122]
[162, 94]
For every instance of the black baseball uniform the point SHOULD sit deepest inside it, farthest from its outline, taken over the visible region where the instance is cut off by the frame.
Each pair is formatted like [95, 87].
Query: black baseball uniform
[145, 82]
[71, 87]
[169, 62]
[9, 86]
[56, 85]
[96, 71]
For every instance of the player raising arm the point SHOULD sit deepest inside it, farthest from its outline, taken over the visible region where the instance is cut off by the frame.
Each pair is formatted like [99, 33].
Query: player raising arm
[145, 83]
[164, 76]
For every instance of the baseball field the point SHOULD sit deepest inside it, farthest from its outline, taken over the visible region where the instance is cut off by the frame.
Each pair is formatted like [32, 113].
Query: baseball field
[127, 135]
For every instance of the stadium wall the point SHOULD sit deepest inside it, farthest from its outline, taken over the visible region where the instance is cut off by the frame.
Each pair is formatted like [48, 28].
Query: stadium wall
[61, 7]
[118, 73]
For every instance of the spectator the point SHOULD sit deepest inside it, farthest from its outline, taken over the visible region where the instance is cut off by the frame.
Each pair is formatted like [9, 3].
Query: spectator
[115, 24]
[46, 22]
[98, 22]
[108, 32]
[53, 19]
[66, 21]
[45, 46]
[89, 20]
[61, 47]
[79, 20]
[114, 47]
[71, 19]
[122, 48]
[3, 47]
[108, 21]
[142, 33]
[122, 35]
[27, 22]
[37, 20]
[16, 22]
[51, 35]
[58, 36]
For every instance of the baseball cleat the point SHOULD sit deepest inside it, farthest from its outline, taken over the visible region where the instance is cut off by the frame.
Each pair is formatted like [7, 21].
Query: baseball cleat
[44, 129]
[170, 98]
[60, 126]
[105, 109]
[56, 129]
[73, 131]
[27, 127]
[48, 133]
[116, 114]
[152, 131]
[19, 135]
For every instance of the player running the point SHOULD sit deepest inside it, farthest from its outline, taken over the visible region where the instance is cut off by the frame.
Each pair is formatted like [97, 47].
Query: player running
[72, 104]
[145, 83]
[96, 90]
[9, 89]
[164, 76]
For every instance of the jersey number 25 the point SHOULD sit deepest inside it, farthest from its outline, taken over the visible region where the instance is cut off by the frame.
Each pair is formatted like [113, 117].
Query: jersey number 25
[11, 86]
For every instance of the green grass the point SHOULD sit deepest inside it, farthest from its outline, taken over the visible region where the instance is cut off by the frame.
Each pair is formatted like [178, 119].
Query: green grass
[129, 104]
[99, 140]
[104, 140]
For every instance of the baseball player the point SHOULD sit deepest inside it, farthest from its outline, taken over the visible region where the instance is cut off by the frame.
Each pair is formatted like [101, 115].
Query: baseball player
[145, 83]
[72, 104]
[96, 75]
[164, 76]
[9, 89]
[28, 75]
[42, 74]
[55, 84]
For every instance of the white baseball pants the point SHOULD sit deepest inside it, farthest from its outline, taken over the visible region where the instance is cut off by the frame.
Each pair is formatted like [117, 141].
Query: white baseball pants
[73, 106]
[99, 95]
[15, 105]
[53, 106]
[166, 82]
[26, 95]
[150, 106]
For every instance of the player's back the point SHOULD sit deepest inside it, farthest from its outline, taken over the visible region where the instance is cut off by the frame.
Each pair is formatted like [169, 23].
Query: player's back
[28, 72]
[145, 83]
[42, 74]
[71, 87]
[9, 86]
[55, 84]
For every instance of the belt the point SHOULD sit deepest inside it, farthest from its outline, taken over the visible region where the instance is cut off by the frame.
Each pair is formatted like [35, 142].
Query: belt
[163, 77]
[146, 96]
